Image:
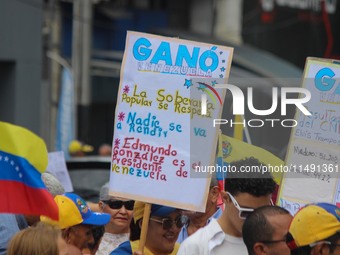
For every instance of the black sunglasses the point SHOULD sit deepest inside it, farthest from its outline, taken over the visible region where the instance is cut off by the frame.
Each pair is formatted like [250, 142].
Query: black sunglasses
[117, 204]
[273, 241]
[167, 223]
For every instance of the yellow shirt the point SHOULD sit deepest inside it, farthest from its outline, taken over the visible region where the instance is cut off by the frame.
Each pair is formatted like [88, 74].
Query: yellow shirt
[135, 245]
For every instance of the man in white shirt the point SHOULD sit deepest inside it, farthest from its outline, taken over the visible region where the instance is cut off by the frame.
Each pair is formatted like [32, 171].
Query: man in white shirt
[243, 193]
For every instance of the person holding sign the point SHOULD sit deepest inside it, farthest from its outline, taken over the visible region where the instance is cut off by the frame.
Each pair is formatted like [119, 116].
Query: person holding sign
[164, 226]
[244, 192]
[315, 230]
[265, 231]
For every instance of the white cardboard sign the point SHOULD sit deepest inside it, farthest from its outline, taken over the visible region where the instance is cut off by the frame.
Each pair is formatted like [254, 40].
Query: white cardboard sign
[313, 154]
[160, 134]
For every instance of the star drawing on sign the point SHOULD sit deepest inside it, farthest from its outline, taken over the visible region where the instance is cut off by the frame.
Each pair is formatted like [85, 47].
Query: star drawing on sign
[213, 83]
[221, 75]
[223, 60]
[121, 116]
[222, 69]
[126, 89]
[117, 142]
[188, 83]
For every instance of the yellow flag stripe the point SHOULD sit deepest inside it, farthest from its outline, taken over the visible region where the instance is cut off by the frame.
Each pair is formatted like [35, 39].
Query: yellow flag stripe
[238, 129]
[23, 143]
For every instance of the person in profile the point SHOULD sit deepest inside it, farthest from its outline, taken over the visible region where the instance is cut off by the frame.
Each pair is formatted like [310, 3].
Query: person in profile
[198, 220]
[315, 229]
[76, 220]
[265, 231]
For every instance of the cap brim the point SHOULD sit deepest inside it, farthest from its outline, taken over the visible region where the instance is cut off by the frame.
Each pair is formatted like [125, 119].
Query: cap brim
[97, 219]
[161, 211]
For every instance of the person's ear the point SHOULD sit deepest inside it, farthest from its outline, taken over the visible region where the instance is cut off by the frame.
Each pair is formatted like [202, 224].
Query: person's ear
[260, 248]
[66, 234]
[214, 193]
[320, 249]
[225, 197]
[101, 206]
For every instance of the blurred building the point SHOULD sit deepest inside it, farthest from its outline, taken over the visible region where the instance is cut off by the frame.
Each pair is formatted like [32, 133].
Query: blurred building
[41, 38]
[22, 95]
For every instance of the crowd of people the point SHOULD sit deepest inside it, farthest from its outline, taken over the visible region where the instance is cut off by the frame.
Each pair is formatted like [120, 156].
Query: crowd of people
[248, 222]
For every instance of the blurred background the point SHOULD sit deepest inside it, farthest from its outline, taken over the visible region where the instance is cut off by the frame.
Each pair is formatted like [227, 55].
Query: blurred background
[60, 59]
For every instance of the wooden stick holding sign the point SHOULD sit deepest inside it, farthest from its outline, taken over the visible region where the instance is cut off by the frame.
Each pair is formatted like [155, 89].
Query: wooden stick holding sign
[145, 226]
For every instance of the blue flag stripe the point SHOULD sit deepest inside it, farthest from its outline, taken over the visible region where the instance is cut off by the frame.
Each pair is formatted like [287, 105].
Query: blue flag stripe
[15, 168]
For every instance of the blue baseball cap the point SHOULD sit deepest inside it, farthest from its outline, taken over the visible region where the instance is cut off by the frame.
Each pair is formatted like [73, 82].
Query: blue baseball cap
[156, 210]
[89, 217]
[161, 210]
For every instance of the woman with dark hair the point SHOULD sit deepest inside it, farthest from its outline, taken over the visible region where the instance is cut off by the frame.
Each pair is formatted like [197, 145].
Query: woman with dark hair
[164, 226]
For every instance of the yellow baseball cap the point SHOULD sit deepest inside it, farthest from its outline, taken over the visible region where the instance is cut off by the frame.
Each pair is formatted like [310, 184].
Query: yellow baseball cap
[73, 210]
[314, 223]
[76, 146]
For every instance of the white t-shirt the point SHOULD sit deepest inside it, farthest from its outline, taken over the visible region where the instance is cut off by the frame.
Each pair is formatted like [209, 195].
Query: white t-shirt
[231, 245]
[211, 240]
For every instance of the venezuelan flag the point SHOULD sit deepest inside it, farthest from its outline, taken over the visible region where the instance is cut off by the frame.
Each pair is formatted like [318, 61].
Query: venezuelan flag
[232, 149]
[23, 157]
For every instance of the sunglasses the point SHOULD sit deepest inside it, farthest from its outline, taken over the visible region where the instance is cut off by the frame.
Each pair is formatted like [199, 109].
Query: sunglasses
[243, 213]
[117, 204]
[167, 223]
[273, 241]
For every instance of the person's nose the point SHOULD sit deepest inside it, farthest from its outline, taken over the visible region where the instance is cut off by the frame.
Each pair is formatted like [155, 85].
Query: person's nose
[123, 210]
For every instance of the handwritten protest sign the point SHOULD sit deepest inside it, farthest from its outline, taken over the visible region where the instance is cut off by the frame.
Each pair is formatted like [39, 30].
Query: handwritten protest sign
[313, 154]
[160, 133]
